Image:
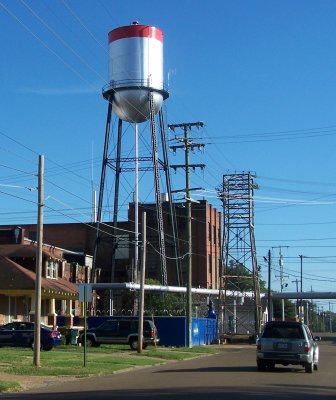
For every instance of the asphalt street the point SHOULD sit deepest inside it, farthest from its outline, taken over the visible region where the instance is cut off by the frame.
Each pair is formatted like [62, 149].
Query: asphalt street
[232, 374]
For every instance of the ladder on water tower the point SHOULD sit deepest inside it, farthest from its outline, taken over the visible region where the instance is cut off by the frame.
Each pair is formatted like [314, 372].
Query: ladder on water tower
[158, 192]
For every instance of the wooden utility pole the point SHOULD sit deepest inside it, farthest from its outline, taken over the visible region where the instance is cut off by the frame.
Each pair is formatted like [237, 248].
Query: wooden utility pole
[187, 144]
[301, 313]
[37, 317]
[269, 299]
[282, 279]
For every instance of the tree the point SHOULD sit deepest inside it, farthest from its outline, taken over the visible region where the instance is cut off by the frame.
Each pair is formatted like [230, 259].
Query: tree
[159, 303]
[239, 278]
[163, 303]
[289, 309]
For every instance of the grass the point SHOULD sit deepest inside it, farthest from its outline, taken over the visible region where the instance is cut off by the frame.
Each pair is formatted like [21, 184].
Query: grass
[69, 361]
[9, 386]
[179, 353]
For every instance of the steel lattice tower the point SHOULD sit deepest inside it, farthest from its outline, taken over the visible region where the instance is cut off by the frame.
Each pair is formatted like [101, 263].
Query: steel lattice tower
[237, 196]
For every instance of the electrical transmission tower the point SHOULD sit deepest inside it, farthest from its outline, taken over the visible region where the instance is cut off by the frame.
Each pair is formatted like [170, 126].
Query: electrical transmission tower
[239, 251]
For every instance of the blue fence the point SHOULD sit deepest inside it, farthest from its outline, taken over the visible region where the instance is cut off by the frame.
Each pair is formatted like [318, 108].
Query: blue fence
[172, 331]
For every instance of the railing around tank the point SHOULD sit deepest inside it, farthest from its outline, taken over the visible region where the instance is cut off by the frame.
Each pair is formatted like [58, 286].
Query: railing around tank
[137, 83]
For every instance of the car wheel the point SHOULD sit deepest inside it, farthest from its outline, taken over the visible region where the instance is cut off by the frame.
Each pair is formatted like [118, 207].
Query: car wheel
[309, 367]
[134, 344]
[261, 365]
[32, 345]
[90, 342]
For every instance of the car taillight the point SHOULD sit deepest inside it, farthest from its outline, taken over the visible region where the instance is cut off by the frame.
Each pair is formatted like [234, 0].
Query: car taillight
[151, 333]
[306, 347]
[258, 346]
[53, 334]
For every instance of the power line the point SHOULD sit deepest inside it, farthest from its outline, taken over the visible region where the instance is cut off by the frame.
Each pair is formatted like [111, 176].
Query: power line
[61, 59]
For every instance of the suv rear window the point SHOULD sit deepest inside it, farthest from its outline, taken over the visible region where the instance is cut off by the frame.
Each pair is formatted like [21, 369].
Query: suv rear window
[283, 332]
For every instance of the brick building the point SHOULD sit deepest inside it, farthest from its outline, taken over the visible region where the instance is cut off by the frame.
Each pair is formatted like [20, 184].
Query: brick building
[206, 232]
[206, 246]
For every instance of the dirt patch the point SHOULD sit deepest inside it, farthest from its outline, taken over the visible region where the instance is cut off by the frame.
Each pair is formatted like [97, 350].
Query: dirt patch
[30, 382]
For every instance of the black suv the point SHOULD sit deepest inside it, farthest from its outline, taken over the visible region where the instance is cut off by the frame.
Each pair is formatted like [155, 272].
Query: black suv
[120, 331]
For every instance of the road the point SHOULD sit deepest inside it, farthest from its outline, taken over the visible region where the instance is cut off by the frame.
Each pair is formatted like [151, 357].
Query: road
[230, 375]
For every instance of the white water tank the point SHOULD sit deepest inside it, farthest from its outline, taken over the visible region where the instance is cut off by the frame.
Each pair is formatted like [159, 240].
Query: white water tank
[135, 70]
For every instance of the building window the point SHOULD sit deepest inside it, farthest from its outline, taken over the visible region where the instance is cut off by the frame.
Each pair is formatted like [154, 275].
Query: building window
[32, 236]
[52, 269]
[210, 271]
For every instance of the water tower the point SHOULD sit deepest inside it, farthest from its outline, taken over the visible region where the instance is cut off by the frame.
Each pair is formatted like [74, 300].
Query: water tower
[135, 72]
[135, 93]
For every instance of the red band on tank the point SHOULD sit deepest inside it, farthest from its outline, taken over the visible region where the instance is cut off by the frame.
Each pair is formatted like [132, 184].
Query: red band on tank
[135, 31]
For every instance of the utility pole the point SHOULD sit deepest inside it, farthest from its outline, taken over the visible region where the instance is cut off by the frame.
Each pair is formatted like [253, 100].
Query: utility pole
[282, 281]
[282, 284]
[269, 300]
[37, 316]
[187, 144]
[297, 300]
[301, 313]
[142, 281]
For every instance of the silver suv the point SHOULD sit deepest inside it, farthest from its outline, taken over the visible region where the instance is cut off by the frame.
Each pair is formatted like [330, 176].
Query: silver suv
[287, 342]
[120, 331]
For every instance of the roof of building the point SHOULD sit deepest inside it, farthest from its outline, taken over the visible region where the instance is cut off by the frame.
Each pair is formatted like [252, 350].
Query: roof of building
[29, 250]
[15, 277]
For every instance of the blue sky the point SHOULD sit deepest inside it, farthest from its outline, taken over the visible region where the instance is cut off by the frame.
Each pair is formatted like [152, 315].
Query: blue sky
[260, 74]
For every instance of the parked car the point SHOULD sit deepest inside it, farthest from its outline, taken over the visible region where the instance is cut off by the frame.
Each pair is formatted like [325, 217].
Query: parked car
[287, 342]
[21, 334]
[120, 331]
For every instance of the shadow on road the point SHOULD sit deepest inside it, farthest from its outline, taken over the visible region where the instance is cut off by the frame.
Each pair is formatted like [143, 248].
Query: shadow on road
[331, 338]
[196, 393]
[240, 368]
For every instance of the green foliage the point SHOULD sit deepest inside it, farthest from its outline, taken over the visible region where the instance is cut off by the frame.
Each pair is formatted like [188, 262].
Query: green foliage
[239, 278]
[289, 309]
[164, 303]
[160, 303]
[319, 320]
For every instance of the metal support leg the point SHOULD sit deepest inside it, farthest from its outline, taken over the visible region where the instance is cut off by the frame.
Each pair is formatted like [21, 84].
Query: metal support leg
[158, 193]
[115, 210]
[102, 183]
[171, 207]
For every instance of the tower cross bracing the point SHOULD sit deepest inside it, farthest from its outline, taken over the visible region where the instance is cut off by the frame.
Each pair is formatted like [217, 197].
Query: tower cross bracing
[239, 251]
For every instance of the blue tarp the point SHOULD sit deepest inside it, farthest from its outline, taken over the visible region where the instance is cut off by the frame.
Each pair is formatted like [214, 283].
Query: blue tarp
[172, 331]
